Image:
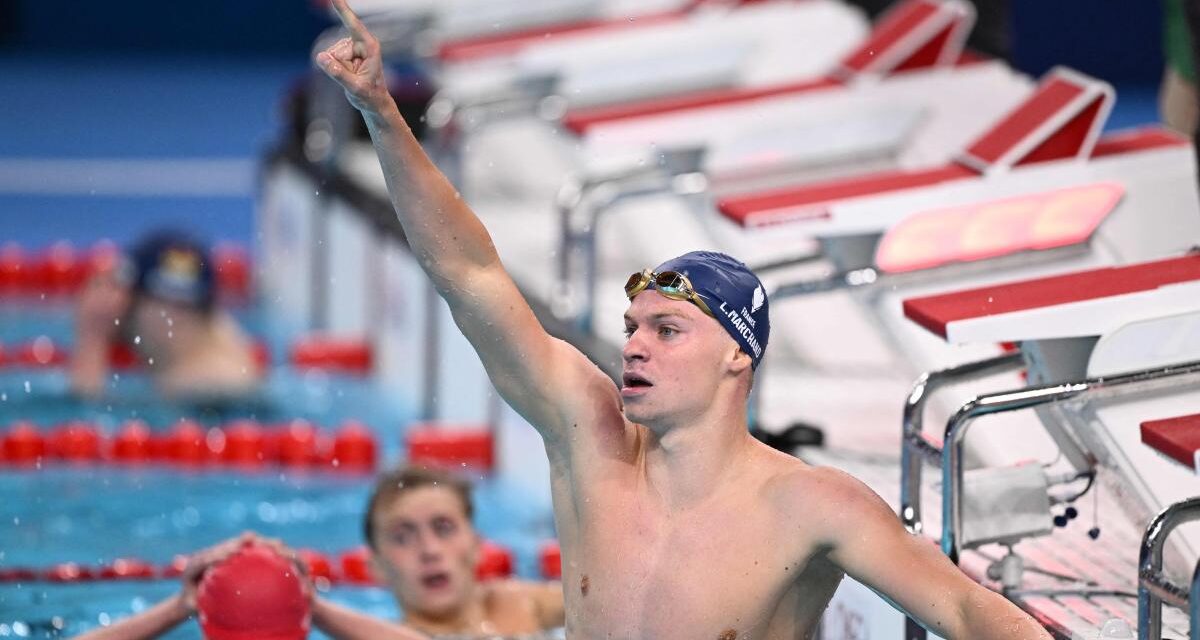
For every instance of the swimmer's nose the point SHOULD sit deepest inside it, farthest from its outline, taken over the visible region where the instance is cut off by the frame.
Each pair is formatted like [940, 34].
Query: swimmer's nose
[430, 549]
[634, 349]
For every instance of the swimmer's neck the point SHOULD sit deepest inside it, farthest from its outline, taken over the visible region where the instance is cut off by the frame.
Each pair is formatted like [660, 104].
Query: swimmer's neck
[470, 619]
[688, 464]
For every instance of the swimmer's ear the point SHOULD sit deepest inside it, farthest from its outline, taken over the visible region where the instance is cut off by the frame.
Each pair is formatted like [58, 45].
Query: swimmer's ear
[740, 362]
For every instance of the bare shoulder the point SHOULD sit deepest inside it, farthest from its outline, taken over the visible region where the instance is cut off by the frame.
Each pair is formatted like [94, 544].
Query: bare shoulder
[828, 500]
[539, 603]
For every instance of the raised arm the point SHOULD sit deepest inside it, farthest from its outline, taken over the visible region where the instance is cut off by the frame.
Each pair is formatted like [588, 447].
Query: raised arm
[545, 379]
[101, 305]
[866, 540]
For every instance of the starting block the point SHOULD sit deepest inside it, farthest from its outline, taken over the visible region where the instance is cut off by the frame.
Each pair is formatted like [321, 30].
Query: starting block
[1114, 351]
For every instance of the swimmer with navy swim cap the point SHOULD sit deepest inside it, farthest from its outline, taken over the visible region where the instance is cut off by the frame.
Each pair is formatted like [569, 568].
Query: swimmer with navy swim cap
[674, 522]
[161, 301]
[733, 295]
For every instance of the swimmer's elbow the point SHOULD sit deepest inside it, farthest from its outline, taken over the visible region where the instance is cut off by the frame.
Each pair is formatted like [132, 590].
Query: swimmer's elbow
[985, 614]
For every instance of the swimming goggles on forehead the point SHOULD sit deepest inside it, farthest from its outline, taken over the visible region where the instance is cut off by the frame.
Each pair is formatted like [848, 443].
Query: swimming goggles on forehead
[671, 284]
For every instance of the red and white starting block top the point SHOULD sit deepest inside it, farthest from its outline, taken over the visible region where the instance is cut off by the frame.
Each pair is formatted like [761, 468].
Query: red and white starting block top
[1062, 120]
[482, 21]
[1044, 162]
[1177, 438]
[913, 34]
[901, 98]
[756, 43]
[1088, 303]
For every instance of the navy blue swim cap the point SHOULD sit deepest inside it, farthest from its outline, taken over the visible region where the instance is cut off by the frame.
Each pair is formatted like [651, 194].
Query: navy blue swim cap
[735, 295]
[172, 266]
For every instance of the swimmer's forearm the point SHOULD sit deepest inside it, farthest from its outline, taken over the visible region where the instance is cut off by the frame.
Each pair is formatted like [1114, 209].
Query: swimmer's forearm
[341, 623]
[987, 615]
[444, 234]
[148, 624]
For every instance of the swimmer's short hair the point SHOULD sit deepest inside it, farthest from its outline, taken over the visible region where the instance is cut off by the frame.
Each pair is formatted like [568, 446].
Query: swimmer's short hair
[393, 484]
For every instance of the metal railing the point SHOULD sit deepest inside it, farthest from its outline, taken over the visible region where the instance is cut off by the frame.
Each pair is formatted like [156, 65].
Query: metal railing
[916, 446]
[1154, 588]
[582, 202]
[1093, 388]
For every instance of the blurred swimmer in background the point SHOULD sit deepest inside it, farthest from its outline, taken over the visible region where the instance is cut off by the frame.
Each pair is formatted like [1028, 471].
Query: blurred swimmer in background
[424, 548]
[162, 300]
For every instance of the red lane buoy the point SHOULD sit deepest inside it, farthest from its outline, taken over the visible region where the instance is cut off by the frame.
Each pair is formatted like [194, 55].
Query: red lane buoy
[127, 569]
[17, 574]
[451, 446]
[324, 451]
[356, 566]
[550, 559]
[245, 445]
[12, 269]
[354, 448]
[133, 443]
[262, 356]
[187, 444]
[59, 270]
[68, 572]
[41, 352]
[336, 354]
[317, 564]
[175, 567]
[23, 444]
[232, 266]
[75, 441]
[103, 256]
[297, 444]
[495, 562]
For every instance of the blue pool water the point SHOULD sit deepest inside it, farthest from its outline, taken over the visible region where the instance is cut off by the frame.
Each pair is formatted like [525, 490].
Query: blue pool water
[94, 514]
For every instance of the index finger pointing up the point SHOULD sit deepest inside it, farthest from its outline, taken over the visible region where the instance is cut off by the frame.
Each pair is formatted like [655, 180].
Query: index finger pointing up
[350, 20]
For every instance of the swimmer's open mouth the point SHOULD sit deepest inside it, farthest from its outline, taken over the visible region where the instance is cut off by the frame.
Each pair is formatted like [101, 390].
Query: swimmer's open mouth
[633, 380]
[436, 580]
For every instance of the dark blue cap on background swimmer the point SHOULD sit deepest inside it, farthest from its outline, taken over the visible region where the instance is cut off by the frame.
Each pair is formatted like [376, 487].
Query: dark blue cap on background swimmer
[735, 295]
[174, 267]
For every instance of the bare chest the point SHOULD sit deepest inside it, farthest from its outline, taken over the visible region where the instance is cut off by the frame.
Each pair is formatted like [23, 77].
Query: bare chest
[714, 572]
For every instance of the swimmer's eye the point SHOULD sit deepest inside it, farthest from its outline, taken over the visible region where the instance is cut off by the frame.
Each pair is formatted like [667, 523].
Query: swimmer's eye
[629, 331]
[444, 527]
[667, 331]
[400, 537]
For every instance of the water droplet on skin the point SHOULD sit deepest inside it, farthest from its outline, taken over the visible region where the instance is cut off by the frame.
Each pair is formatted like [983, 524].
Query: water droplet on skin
[137, 339]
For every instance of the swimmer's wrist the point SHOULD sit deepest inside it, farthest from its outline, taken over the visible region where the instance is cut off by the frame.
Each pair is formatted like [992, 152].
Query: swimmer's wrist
[173, 611]
[384, 114]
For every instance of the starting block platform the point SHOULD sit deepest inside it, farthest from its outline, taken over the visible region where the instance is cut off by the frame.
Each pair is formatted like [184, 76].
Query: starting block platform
[1113, 359]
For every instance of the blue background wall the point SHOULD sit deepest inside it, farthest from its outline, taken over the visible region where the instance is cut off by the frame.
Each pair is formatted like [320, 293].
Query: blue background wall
[219, 26]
